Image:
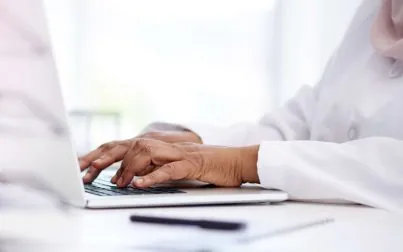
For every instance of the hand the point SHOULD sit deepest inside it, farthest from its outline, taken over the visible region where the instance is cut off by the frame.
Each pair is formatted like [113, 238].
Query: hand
[114, 151]
[158, 162]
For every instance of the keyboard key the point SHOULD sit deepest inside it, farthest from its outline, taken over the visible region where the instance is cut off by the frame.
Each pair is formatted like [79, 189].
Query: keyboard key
[110, 188]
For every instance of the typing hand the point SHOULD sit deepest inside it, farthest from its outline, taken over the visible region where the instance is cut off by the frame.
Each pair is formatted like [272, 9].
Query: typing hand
[115, 151]
[157, 162]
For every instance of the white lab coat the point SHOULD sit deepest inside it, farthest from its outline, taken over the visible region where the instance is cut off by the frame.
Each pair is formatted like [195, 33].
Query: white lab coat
[341, 141]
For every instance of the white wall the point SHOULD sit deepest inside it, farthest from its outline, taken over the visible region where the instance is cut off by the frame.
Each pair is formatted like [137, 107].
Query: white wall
[64, 30]
[309, 32]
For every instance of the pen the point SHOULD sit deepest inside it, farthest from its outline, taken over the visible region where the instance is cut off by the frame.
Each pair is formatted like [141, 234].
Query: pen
[205, 224]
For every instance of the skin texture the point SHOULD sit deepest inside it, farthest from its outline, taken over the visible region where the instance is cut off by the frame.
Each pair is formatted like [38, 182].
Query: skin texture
[162, 156]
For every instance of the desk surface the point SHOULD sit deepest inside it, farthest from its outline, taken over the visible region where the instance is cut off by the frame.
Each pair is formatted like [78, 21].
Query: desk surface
[355, 228]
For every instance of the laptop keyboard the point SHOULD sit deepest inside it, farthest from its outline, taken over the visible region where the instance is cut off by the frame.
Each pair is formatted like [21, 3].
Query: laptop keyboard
[102, 187]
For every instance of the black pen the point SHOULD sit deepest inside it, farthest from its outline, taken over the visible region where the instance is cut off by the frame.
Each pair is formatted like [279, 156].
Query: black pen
[205, 224]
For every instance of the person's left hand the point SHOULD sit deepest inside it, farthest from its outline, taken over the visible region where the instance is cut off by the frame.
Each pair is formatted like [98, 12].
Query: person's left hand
[157, 162]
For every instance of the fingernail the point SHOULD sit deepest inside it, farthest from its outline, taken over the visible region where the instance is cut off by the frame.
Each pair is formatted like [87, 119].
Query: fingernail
[139, 181]
[87, 177]
[81, 164]
[113, 180]
[120, 182]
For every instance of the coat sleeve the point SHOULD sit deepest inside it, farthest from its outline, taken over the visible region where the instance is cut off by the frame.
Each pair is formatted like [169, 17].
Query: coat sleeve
[366, 171]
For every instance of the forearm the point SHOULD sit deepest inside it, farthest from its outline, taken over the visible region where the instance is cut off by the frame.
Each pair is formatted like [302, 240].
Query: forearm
[248, 163]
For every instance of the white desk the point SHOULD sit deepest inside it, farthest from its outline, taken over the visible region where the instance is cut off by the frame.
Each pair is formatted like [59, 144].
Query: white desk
[355, 228]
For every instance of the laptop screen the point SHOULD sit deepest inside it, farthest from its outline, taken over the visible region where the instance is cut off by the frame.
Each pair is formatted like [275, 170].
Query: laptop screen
[34, 136]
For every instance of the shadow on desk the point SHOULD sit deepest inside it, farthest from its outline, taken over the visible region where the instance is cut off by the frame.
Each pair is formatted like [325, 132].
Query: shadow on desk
[330, 203]
[198, 206]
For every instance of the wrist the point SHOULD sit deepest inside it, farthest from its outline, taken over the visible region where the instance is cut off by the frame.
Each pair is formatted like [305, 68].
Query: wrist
[248, 164]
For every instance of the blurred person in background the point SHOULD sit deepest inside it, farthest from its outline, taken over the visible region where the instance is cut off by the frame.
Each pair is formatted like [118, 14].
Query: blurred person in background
[340, 141]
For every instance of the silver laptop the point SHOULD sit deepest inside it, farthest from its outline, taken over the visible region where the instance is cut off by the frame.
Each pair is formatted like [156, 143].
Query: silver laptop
[35, 138]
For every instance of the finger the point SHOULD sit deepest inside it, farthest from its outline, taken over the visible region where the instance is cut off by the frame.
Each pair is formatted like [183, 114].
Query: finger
[110, 157]
[156, 156]
[114, 179]
[86, 160]
[165, 153]
[157, 152]
[106, 159]
[147, 170]
[172, 171]
[91, 175]
[118, 174]
[126, 161]
[139, 163]
[146, 152]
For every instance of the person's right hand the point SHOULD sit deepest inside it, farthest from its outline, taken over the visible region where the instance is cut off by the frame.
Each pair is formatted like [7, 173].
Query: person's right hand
[114, 151]
[153, 162]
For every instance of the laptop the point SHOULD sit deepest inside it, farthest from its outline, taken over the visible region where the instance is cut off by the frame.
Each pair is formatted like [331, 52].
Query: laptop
[37, 139]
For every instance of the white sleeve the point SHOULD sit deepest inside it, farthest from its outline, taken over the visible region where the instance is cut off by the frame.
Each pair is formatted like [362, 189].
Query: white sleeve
[366, 171]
